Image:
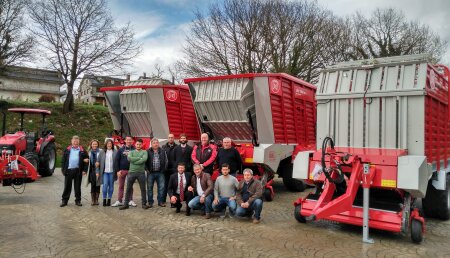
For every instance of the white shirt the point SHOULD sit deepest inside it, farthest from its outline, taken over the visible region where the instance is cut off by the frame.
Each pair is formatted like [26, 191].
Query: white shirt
[184, 182]
[109, 161]
[199, 187]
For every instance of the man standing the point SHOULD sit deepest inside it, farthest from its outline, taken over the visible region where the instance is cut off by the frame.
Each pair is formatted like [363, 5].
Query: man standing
[178, 188]
[228, 154]
[137, 159]
[156, 167]
[73, 165]
[183, 152]
[225, 191]
[204, 154]
[248, 197]
[169, 148]
[201, 187]
[122, 165]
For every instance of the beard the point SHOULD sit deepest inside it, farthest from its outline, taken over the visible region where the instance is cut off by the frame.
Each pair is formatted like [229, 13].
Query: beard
[183, 142]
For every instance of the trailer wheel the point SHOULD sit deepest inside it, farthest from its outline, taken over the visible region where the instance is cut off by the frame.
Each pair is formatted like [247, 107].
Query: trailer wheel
[297, 214]
[268, 195]
[48, 160]
[294, 185]
[436, 204]
[416, 231]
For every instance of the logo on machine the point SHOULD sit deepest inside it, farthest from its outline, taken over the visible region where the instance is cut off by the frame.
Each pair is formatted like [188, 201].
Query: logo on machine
[172, 95]
[275, 87]
[300, 92]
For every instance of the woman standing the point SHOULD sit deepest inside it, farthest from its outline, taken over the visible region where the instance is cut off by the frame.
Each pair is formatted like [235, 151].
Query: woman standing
[107, 172]
[94, 177]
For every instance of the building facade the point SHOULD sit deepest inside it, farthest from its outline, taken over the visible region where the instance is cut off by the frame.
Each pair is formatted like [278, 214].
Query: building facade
[89, 89]
[29, 84]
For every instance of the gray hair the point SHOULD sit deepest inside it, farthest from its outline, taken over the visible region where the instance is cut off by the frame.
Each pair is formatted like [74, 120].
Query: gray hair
[226, 138]
[154, 140]
[196, 166]
[248, 170]
[75, 137]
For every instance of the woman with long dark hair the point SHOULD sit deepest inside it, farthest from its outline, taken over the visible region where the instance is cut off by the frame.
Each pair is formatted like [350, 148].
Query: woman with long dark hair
[94, 170]
[106, 158]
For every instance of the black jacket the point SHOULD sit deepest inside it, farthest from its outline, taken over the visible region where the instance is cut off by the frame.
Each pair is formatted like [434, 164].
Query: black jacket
[171, 165]
[183, 157]
[65, 160]
[173, 183]
[230, 156]
[162, 160]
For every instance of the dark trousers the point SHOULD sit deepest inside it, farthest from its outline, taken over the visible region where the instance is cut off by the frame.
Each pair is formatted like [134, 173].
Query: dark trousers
[140, 176]
[187, 198]
[72, 175]
[166, 185]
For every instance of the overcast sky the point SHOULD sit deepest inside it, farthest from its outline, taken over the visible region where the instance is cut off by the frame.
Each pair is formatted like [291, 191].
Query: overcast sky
[161, 25]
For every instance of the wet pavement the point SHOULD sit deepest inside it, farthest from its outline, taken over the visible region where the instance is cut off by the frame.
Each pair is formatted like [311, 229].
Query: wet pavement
[33, 225]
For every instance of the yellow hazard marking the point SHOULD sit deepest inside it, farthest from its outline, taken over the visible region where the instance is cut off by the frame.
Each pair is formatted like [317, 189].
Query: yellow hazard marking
[248, 160]
[388, 183]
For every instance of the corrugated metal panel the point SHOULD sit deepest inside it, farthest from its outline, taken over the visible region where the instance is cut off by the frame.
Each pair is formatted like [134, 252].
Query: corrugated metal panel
[134, 103]
[115, 110]
[221, 103]
[384, 103]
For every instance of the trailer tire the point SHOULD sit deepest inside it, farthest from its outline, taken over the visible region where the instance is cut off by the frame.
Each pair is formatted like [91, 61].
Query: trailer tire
[297, 214]
[294, 185]
[416, 231]
[48, 160]
[268, 195]
[436, 203]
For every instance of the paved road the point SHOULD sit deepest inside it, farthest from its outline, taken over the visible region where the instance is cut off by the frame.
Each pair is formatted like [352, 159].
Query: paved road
[33, 225]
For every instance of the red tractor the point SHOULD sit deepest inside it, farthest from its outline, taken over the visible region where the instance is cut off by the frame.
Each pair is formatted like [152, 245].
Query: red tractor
[25, 154]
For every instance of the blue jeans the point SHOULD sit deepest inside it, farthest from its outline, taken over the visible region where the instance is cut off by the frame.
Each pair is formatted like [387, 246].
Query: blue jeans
[108, 185]
[159, 178]
[223, 203]
[256, 207]
[196, 205]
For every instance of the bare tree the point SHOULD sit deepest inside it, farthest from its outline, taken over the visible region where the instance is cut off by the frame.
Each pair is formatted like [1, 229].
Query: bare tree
[15, 45]
[388, 33]
[80, 37]
[254, 36]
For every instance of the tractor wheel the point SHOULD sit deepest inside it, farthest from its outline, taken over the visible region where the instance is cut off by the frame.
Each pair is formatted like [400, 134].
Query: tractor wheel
[294, 185]
[436, 203]
[416, 231]
[297, 214]
[268, 195]
[48, 160]
[32, 158]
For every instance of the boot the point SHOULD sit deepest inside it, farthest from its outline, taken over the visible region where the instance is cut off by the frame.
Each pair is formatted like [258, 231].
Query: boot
[104, 202]
[108, 202]
[92, 199]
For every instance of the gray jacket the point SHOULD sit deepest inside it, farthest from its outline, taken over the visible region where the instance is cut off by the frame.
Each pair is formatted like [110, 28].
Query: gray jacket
[102, 159]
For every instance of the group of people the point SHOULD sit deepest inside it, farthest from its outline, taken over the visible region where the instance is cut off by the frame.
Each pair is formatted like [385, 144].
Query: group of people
[181, 172]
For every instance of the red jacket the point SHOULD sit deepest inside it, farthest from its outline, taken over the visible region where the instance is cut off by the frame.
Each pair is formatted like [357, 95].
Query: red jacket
[204, 155]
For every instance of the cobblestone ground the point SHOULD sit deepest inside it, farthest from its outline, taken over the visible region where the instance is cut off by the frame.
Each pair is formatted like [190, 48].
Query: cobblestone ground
[33, 225]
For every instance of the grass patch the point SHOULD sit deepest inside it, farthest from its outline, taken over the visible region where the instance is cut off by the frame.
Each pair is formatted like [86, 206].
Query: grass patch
[87, 121]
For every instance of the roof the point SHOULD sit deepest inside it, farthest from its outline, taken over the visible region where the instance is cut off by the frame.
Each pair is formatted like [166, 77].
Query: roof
[147, 81]
[99, 81]
[20, 72]
[250, 75]
[120, 88]
[30, 111]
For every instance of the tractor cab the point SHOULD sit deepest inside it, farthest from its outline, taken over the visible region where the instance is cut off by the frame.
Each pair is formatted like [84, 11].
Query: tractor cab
[37, 148]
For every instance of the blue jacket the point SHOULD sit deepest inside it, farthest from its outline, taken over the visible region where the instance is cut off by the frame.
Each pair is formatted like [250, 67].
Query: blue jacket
[121, 162]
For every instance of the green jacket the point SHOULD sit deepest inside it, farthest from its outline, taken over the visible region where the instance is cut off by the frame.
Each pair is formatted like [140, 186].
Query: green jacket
[137, 161]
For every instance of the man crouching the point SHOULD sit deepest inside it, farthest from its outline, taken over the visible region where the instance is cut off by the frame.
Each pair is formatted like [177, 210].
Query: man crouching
[248, 197]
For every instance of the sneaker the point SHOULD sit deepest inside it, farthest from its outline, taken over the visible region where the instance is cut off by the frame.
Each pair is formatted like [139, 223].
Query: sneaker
[222, 214]
[131, 203]
[117, 203]
[124, 207]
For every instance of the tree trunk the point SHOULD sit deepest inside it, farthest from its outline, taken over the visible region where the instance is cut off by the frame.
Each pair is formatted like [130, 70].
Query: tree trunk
[69, 102]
